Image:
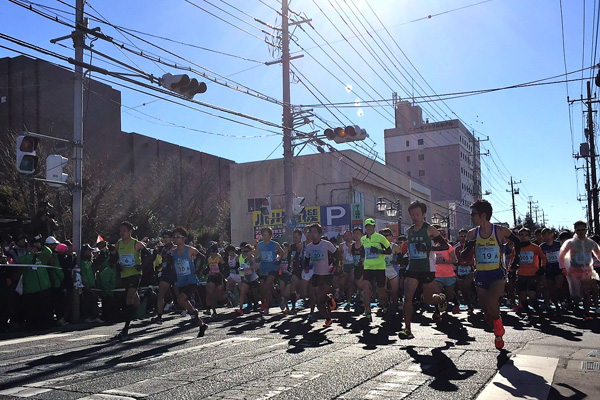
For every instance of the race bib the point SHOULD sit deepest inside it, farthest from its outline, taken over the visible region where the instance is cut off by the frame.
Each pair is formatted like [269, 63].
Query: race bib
[182, 267]
[348, 258]
[463, 270]
[440, 259]
[356, 259]
[416, 254]
[267, 256]
[370, 255]
[582, 258]
[246, 269]
[526, 257]
[317, 255]
[213, 268]
[388, 261]
[127, 260]
[552, 257]
[487, 255]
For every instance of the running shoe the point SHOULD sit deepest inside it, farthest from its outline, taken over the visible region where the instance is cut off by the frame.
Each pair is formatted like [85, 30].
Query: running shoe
[195, 319]
[203, 327]
[311, 318]
[121, 336]
[287, 310]
[184, 313]
[240, 311]
[282, 304]
[456, 309]
[327, 323]
[168, 306]
[331, 302]
[587, 317]
[157, 320]
[347, 306]
[443, 306]
[405, 334]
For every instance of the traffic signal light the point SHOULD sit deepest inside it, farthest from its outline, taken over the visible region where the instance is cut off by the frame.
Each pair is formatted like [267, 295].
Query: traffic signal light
[54, 169]
[27, 159]
[182, 84]
[350, 133]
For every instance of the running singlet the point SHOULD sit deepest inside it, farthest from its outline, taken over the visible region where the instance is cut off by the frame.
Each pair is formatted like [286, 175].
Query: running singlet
[443, 268]
[581, 252]
[268, 257]
[551, 252]
[530, 259]
[213, 265]
[185, 268]
[129, 258]
[165, 265]
[296, 257]
[232, 262]
[465, 264]
[319, 255]
[488, 251]
[419, 249]
[357, 255]
[374, 261]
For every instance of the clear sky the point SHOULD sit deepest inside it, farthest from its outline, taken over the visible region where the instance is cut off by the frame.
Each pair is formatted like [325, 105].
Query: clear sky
[357, 50]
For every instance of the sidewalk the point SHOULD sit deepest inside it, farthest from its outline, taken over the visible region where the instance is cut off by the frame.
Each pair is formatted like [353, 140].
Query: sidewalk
[572, 366]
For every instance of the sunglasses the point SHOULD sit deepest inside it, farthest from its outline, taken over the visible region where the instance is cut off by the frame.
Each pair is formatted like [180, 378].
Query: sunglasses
[178, 237]
[581, 229]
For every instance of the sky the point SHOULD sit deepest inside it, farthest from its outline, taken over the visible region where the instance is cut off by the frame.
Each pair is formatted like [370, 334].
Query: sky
[356, 52]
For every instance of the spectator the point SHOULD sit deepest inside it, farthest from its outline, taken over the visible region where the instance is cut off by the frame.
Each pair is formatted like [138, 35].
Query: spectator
[89, 299]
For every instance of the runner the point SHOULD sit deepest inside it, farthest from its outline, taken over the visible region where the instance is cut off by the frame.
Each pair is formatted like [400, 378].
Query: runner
[464, 270]
[532, 262]
[376, 247]
[358, 260]
[285, 280]
[554, 280]
[249, 278]
[347, 275]
[233, 272]
[322, 254]
[444, 274]
[130, 260]
[490, 273]
[167, 275]
[421, 264]
[187, 280]
[579, 249]
[268, 252]
[215, 282]
[296, 262]
[392, 274]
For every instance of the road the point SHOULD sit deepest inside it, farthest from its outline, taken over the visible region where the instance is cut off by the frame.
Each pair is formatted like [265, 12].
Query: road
[276, 356]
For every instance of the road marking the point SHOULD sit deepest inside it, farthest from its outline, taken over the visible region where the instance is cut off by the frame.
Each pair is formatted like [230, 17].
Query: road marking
[21, 391]
[34, 338]
[102, 396]
[87, 337]
[522, 377]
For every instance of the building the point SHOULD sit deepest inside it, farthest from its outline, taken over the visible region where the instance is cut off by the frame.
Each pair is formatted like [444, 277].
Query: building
[37, 96]
[340, 190]
[443, 156]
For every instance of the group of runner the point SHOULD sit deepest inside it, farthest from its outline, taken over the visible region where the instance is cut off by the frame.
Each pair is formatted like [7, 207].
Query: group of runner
[421, 265]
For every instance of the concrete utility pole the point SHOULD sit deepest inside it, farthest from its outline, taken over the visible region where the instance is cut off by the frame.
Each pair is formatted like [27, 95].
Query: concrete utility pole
[594, 182]
[288, 156]
[531, 202]
[513, 192]
[78, 43]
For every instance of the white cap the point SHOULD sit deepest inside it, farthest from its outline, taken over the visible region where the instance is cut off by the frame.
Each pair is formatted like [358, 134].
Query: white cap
[51, 240]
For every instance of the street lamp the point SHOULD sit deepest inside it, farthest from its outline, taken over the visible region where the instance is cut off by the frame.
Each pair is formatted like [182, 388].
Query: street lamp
[440, 220]
[391, 208]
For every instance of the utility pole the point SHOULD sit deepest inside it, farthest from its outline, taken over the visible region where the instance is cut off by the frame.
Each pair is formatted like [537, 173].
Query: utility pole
[78, 43]
[288, 156]
[476, 142]
[513, 191]
[531, 202]
[594, 181]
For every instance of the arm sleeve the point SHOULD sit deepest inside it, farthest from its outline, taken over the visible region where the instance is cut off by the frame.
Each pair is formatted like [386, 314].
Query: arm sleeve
[443, 244]
[516, 242]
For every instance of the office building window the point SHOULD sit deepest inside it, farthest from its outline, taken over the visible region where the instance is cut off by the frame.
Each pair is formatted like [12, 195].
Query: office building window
[407, 158]
[420, 142]
[407, 143]
[421, 157]
[421, 172]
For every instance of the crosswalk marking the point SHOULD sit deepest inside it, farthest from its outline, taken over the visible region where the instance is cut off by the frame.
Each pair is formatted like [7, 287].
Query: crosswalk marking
[21, 391]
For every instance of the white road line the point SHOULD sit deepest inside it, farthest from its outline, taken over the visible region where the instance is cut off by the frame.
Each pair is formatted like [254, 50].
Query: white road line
[34, 338]
[21, 391]
[87, 337]
[523, 377]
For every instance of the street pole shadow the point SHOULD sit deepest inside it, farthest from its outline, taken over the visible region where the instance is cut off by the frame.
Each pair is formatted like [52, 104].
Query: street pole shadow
[555, 394]
[523, 382]
[440, 367]
[372, 340]
[454, 329]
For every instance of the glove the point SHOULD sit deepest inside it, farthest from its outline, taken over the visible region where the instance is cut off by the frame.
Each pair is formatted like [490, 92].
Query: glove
[515, 264]
[541, 271]
[374, 250]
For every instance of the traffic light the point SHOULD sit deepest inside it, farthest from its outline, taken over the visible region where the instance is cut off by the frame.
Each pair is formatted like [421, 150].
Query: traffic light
[182, 84]
[265, 207]
[54, 169]
[350, 133]
[298, 207]
[27, 159]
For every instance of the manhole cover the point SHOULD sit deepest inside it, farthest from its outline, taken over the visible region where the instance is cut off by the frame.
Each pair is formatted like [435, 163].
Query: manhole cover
[594, 353]
[590, 365]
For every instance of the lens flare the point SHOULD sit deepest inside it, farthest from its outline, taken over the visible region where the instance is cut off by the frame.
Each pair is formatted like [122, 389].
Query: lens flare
[360, 112]
[348, 88]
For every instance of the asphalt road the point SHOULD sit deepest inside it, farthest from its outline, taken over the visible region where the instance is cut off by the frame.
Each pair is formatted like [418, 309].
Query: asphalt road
[276, 356]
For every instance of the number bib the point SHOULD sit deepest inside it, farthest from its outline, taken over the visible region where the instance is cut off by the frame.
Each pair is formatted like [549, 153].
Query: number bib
[182, 267]
[267, 256]
[527, 257]
[370, 255]
[582, 258]
[552, 257]
[246, 270]
[317, 255]
[356, 259]
[416, 254]
[127, 260]
[463, 270]
[487, 255]
[439, 259]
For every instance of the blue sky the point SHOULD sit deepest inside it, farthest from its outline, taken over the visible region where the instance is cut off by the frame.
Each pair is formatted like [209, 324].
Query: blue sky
[465, 45]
